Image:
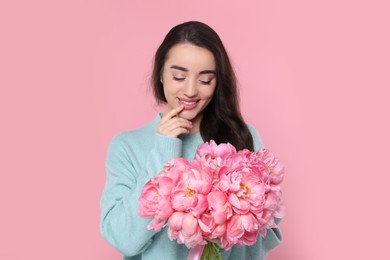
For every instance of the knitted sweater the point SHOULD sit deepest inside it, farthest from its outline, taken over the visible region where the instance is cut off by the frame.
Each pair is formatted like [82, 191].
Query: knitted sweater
[133, 158]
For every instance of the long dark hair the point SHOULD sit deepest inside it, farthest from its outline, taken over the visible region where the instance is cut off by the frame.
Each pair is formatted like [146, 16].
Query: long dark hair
[222, 120]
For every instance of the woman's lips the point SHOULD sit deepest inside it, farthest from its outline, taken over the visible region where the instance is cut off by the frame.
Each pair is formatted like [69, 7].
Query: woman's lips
[188, 103]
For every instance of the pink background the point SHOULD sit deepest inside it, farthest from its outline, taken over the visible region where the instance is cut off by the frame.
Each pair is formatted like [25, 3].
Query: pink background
[314, 79]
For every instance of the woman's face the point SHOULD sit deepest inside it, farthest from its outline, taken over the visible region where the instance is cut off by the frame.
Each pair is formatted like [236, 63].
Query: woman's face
[189, 79]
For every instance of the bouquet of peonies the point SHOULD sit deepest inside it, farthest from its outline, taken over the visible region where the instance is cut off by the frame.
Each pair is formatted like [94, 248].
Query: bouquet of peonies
[223, 197]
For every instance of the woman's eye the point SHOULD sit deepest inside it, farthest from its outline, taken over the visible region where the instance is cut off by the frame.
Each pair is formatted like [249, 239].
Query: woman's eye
[178, 79]
[205, 82]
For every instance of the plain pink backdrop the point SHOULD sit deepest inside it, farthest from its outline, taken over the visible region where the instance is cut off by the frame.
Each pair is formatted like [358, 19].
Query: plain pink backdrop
[314, 78]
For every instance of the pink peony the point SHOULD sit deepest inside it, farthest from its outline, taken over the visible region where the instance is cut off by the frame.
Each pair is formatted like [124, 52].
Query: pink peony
[245, 188]
[190, 193]
[185, 229]
[223, 196]
[212, 156]
[155, 201]
[241, 230]
[173, 169]
[220, 208]
[266, 220]
[276, 169]
[210, 230]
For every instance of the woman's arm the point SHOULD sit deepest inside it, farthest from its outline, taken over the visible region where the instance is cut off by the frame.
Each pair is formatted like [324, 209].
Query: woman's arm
[121, 226]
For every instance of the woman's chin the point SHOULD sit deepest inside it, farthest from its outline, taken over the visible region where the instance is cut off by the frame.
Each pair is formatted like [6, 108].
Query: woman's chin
[189, 115]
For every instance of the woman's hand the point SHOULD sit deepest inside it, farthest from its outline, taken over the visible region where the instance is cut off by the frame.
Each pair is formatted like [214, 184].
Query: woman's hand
[171, 125]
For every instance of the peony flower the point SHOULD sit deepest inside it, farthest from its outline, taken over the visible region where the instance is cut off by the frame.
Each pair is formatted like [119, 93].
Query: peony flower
[185, 229]
[276, 169]
[220, 208]
[241, 230]
[173, 169]
[245, 187]
[212, 156]
[266, 220]
[210, 230]
[155, 201]
[190, 193]
[223, 196]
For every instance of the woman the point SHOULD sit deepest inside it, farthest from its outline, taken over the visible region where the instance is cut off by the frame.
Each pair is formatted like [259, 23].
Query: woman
[192, 74]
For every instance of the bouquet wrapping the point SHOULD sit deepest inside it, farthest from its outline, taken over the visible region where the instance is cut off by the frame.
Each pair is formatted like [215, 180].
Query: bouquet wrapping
[223, 197]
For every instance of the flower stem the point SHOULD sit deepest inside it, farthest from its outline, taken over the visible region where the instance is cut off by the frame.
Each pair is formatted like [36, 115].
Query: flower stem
[211, 252]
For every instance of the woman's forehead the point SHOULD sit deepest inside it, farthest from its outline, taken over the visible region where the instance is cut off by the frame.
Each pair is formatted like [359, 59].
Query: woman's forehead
[190, 57]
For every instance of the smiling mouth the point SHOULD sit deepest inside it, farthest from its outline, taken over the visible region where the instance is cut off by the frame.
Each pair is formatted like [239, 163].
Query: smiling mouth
[188, 105]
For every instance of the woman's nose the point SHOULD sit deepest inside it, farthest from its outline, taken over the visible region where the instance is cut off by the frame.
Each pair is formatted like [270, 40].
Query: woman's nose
[191, 89]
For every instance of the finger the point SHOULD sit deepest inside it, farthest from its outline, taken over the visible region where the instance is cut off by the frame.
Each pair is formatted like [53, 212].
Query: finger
[172, 124]
[172, 113]
[176, 122]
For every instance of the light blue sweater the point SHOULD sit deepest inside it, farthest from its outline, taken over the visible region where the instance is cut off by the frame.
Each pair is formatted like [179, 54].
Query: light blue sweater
[133, 158]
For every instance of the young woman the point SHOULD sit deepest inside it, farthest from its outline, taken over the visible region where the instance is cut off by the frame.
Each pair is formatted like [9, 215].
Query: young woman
[192, 74]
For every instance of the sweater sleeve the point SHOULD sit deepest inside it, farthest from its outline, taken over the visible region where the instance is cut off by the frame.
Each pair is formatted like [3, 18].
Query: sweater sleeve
[120, 224]
[273, 237]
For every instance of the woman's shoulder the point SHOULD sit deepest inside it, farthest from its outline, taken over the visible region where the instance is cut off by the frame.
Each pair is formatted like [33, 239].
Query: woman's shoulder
[258, 143]
[142, 134]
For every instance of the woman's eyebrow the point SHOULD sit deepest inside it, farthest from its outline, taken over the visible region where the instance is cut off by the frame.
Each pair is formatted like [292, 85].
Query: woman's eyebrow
[179, 68]
[186, 70]
[208, 72]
